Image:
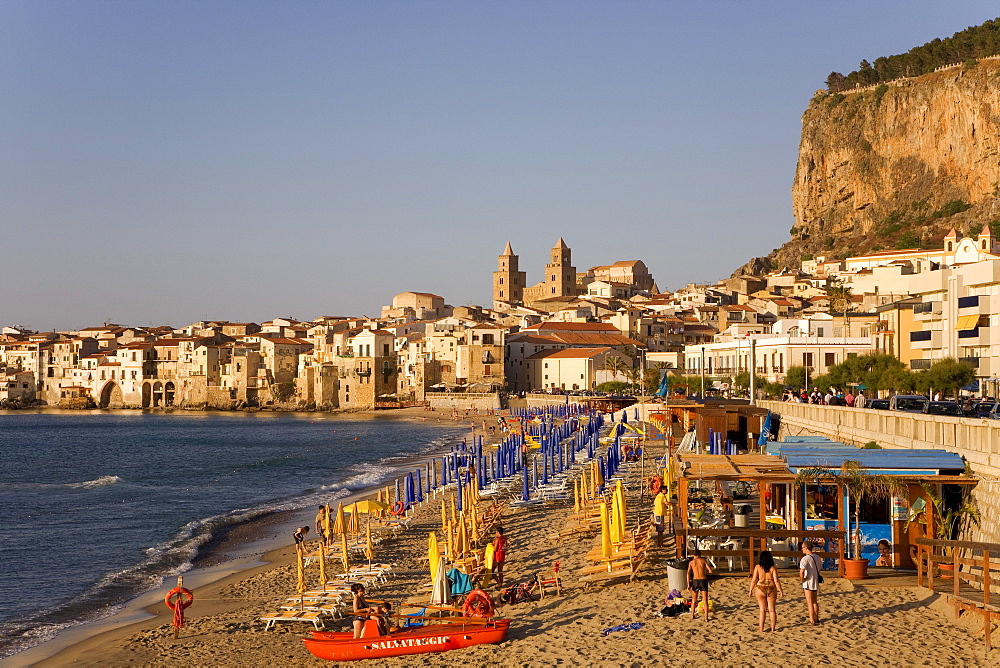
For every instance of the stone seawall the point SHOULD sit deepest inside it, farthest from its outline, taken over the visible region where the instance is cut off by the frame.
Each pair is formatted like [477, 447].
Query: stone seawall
[977, 440]
[446, 401]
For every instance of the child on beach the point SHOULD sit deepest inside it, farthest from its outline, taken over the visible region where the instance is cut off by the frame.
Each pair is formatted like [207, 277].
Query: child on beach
[499, 555]
[300, 538]
[697, 577]
[766, 587]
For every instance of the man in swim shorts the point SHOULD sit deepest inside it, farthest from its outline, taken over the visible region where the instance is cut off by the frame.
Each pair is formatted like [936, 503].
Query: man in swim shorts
[697, 576]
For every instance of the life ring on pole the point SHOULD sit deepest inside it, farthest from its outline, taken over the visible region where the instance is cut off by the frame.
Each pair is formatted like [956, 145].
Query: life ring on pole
[183, 600]
[398, 509]
[478, 604]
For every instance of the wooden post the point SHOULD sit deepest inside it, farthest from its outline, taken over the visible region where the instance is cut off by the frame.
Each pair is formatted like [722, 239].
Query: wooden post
[920, 565]
[930, 567]
[762, 505]
[957, 561]
[987, 622]
[840, 557]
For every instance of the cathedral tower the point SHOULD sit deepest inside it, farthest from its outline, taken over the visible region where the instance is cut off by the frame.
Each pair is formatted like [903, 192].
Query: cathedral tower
[560, 274]
[508, 282]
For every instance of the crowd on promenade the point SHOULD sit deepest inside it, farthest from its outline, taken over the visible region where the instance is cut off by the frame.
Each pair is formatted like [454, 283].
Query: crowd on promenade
[832, 397]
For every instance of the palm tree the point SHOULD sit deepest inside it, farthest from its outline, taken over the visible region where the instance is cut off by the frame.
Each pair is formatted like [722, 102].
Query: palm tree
[860, 483]
[615, 365]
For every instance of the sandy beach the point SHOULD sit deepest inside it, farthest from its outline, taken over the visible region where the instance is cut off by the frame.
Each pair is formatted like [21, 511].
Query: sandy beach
[886, 621]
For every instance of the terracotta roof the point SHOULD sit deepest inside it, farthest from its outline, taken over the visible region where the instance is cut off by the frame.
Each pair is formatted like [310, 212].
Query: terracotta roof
[551, 326]
[569, 353]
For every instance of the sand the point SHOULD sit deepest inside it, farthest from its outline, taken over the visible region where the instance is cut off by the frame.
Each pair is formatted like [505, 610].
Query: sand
[887, 621]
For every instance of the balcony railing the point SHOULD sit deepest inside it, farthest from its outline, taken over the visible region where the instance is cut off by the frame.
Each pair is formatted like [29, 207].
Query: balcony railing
[968, 302]
[923, 335]
[974, 361]
[927, 307]
[920, 364]
[969, 333]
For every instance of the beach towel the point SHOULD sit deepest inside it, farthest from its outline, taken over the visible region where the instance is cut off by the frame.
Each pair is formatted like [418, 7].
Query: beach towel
[634, 626]
[460, 582]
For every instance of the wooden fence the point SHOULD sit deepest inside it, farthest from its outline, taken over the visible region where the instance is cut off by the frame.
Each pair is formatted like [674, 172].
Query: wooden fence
[970, 564]
[756, 540]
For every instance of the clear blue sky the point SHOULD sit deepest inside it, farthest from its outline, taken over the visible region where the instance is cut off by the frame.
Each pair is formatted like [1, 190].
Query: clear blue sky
[163, 162]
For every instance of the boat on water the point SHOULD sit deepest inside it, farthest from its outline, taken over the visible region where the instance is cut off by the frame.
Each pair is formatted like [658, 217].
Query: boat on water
[455, 633]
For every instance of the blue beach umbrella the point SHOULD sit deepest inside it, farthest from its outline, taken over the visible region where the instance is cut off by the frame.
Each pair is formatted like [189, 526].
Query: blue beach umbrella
[525, 493]
[398, 497]
[411, 496]
[420, 486]
[458, 494]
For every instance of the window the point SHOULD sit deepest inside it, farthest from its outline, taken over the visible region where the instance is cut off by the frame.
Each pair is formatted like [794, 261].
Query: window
[819, 331]
[807, 359]
[486, 369]
[487, 339]
[501, 280]
[829, 359]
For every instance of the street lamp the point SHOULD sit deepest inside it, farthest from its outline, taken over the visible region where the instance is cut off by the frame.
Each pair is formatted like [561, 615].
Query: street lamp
[702, 367]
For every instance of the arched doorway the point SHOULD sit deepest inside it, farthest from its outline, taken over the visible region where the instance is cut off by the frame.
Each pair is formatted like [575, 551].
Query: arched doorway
[146, 395]
[111, 396]
[157, 394]
[168, 394]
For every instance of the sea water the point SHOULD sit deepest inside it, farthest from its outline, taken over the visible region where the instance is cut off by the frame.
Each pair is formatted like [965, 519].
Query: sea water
[97, 507]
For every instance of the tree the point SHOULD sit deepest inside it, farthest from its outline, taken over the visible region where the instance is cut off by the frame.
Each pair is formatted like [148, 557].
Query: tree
[839, 295]
[615, 365]
[950, 375]
[859, 483]
[796, 377]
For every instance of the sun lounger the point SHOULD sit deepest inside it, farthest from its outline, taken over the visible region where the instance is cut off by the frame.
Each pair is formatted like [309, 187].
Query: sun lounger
[309, 616]
[334, 610]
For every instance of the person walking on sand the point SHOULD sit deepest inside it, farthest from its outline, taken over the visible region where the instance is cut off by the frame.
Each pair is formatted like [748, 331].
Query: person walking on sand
[809, 576]
[766, 587]
[660, 514]
[697, 577]
[321, 524]
[499, 555]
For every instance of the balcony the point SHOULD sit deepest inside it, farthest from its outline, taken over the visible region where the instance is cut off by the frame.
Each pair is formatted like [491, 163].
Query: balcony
[974, 361]
[927, 308]
[968, 302]
[918, 365]
[977, 336]
[926, 339]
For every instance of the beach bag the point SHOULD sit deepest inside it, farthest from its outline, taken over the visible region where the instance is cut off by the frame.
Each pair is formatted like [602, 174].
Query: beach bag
[819, 575]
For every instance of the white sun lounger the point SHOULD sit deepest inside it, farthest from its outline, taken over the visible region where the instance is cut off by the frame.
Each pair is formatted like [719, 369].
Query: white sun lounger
[310, 616]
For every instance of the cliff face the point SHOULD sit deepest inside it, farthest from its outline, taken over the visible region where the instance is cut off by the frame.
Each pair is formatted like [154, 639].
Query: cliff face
[897, 166]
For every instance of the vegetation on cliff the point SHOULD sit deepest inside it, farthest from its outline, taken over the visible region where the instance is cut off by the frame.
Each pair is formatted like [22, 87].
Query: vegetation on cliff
[969, 44]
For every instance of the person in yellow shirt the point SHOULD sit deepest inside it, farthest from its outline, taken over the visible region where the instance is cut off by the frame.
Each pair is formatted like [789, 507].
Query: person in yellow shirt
[660, 514]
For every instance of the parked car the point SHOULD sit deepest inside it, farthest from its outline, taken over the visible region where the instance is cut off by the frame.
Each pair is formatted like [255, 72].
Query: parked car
[910, 403]
[982, 409]
[878, 404]
[944, 408]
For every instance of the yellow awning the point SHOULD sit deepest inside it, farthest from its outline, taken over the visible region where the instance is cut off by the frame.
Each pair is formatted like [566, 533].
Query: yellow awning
[968, 321]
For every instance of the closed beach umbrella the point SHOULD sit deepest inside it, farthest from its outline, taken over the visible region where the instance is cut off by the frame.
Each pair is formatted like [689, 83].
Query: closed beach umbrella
[344, 554]
[475, 524]
[463, 536]
[444, 514]
[411, 493]
[397, 497]
[420, 486]
[322, 565]
[525, 493]
[605, 532]
[440, 592]
[300, 570]
[576, 496]
[459, 493]
[369, 546]
[339, 525]
[433, 554]
[327, 526]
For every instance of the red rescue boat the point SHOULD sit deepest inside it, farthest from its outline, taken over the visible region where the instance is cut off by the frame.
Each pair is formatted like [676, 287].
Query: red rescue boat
[456, 633]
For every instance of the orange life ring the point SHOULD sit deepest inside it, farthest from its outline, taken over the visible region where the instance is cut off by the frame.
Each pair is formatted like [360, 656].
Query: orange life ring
[184, 600]
[398, 509]
[478, 604]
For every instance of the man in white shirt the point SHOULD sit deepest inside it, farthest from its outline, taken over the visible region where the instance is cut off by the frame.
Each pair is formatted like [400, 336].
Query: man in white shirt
[809, 576]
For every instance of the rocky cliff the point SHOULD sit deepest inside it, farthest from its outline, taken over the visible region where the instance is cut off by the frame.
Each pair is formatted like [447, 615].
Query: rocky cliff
[897, 165]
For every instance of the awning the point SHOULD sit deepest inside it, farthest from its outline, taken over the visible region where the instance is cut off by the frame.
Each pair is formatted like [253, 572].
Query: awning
[967, 321]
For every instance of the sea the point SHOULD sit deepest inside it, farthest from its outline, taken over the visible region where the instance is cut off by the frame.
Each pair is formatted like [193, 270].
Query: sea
[97, 507]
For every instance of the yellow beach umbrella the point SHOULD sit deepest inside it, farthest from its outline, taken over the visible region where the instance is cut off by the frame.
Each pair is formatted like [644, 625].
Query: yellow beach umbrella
[576, 496]
[463, 536]
[327, 527]
[369, 547]
[474, 521]
[322, 565]
[614, 528]
[433, 555]
[352, 524]
[487, 567]
[584, 492]
[444, 515]
[451, 540]
[454, 510]
[300, 570]
[605, 531]
[344, 556]
[369, 506]
[339, 524]
[622, 508]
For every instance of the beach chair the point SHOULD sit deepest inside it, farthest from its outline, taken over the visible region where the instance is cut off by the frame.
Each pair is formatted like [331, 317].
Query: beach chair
[309, 616]
[333, 609]
[551, 579]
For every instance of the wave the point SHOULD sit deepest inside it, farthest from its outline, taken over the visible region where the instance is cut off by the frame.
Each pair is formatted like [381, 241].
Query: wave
[97, 482]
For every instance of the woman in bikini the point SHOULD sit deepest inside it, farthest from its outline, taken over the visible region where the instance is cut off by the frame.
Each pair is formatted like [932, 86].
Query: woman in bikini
[765, 585]
[362, 611]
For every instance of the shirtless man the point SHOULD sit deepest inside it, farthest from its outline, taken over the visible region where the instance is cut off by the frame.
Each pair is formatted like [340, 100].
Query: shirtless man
[697, 577]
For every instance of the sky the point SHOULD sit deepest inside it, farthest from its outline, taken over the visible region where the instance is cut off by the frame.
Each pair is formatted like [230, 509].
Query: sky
[167, 162]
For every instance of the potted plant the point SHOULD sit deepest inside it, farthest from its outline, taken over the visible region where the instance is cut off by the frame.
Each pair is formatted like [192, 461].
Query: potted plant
[860, 484]
[946, 523]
